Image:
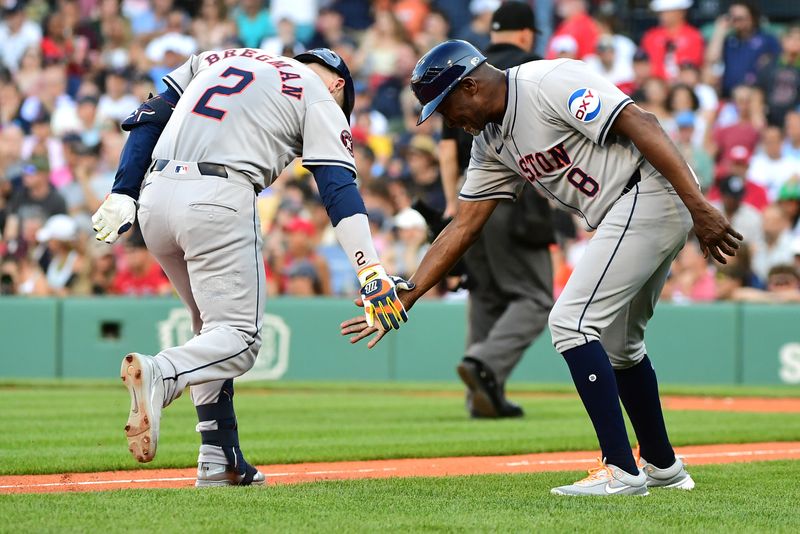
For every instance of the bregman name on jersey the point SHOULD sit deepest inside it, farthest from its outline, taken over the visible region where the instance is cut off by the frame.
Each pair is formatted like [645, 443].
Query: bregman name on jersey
[286, 89]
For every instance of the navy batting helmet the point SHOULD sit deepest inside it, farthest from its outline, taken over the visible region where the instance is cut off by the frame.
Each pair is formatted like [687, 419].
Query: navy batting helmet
[330, 59]
[439, 71]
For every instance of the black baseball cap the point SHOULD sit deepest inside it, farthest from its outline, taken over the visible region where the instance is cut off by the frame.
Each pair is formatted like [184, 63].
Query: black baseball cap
[42, 116]
[121, 72]
[88, 99]
[141, 77]
[11, 7]
[732, 186]
[513, 16]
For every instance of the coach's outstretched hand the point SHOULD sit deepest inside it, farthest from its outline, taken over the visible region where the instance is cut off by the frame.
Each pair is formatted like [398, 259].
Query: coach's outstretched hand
[383, 310]
[715, 234]
[359, 327]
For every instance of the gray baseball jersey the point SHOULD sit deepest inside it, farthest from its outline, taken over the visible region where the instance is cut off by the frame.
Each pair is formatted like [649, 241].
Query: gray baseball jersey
[254, 113]
[554, 134]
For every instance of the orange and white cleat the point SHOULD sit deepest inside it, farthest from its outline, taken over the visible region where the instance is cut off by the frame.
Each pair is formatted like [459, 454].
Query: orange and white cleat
[145, 384]
[605, 480]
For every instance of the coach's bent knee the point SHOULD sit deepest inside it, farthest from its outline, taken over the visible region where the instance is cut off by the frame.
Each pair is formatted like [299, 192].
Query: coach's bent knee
[564, 330]
[625, 358]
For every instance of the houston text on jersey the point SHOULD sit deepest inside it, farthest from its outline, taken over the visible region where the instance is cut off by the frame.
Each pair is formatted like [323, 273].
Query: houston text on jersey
[536, 165]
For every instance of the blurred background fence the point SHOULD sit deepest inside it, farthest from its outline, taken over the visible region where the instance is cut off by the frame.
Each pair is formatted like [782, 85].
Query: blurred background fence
[716, 343]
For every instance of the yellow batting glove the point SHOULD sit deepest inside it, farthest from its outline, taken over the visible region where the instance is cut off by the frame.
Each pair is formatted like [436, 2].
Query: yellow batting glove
[379, 294]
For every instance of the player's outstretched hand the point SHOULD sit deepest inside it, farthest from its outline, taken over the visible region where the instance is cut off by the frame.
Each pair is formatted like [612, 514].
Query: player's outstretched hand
[115, 216]
[715, 234]
[382, 306]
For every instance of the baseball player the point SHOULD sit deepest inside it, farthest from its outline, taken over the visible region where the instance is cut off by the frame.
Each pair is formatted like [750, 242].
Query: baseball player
[584, 144]
[228, 124]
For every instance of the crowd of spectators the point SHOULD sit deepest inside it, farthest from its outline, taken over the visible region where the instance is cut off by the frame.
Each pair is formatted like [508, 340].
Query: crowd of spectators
[726, 90]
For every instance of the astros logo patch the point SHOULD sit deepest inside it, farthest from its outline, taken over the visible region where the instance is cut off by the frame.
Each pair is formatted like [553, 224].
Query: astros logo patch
[584, 104]
[347, 140]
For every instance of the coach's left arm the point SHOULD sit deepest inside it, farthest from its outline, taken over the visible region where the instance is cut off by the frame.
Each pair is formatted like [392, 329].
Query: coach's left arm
[714, 232]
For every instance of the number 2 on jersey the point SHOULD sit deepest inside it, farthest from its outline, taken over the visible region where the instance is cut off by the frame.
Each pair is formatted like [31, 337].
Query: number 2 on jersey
[202, 108]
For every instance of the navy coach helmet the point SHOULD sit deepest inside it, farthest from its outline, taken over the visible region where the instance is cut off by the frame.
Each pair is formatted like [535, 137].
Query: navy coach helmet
[439, 71]
[330, 59]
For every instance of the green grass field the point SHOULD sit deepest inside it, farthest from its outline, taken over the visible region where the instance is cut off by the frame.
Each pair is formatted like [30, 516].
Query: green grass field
[54, 427]
[759, 497]
[80, 428]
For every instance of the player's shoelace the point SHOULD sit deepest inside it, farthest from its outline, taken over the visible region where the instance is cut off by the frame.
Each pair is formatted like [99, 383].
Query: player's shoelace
[601, 472]
[637, 457]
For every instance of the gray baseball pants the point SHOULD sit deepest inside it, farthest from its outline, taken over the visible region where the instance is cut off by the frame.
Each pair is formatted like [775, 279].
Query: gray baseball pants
[205, 233]
[613, 290]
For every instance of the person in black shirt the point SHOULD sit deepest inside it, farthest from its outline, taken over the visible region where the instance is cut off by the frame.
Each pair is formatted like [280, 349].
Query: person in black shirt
[36, 199]
[509, 266]
[423, 173]
[780, 79]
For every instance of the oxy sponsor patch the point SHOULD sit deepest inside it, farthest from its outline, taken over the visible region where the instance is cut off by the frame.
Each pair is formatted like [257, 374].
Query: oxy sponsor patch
[584, 104]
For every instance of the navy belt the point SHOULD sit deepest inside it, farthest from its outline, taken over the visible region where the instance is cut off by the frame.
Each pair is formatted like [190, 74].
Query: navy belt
[206, 169]
[635, 178]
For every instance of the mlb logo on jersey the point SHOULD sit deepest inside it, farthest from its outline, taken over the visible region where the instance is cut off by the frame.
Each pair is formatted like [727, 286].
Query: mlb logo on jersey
[584, 104]
[181, 169]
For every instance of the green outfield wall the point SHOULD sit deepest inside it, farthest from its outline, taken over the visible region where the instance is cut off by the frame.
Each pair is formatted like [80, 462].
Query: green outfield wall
[85, 337]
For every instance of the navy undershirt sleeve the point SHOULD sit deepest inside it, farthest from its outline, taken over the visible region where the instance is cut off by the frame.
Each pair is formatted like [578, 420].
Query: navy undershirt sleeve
[337, 187]
[138, 153]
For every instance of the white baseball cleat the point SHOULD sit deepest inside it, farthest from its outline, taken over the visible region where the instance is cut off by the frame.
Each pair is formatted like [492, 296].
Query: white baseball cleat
[674, 477]
[605, 480]
[211, 474]
[145, 384]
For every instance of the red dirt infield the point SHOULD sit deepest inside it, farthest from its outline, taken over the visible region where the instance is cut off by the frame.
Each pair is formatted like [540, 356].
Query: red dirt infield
[417, 467]
[733, 404]
[670, 402]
